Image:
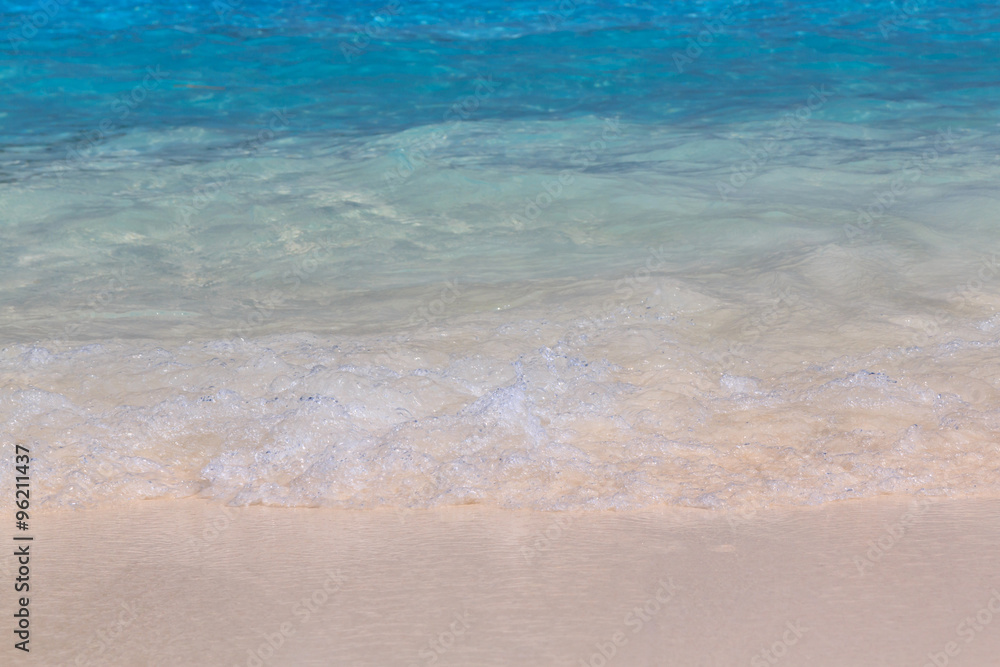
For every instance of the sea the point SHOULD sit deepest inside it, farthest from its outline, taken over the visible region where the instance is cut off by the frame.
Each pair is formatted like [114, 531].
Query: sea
[550, 255]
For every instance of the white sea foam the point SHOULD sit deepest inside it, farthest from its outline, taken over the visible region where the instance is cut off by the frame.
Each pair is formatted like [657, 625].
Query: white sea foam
[545, 413]
[308, 331]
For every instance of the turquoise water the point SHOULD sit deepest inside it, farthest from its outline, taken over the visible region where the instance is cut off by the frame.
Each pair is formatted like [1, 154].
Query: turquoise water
[575, 254]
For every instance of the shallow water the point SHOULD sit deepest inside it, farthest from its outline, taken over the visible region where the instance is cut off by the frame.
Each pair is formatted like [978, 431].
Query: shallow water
[557, 257]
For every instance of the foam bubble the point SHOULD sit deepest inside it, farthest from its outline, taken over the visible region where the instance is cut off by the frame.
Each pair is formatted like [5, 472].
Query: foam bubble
[548, 413]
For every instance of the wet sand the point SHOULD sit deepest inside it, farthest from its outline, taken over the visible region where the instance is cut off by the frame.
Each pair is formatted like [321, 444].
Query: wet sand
[883, 582]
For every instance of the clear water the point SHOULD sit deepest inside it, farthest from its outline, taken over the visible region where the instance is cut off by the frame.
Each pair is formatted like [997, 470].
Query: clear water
[574, 254]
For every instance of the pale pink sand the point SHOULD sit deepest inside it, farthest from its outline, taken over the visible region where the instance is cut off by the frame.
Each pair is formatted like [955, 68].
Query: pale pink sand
[191, 583]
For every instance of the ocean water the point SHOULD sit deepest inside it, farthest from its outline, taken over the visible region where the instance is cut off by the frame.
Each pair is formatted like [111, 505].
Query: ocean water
[595, 254]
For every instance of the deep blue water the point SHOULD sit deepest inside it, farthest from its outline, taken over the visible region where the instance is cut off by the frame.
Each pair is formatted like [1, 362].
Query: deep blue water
[922, 64]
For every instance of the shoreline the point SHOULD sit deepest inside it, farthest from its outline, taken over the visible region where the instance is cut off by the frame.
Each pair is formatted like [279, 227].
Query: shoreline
[888, 581]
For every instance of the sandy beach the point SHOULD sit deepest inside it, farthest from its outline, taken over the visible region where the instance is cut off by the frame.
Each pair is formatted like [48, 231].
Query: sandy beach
[480, 333]
[882, 582]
